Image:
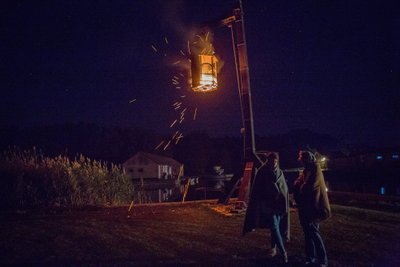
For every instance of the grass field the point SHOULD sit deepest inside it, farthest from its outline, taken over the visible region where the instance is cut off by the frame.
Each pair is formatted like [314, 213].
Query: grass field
[190, 234]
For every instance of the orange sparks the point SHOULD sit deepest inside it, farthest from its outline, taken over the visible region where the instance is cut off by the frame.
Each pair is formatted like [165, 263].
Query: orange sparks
[176, 62]
[177, 104]
[188, 47]
[207, 35]
[176, 133]
[200, 37]
[165, 147]
[162, 142]
[178, 138]
[172, 125]
[195, 114]
[178, 87]
[183, 96]
[183, 111]
[182, 53]
[133, 100]
[180, 122]
[154, 48]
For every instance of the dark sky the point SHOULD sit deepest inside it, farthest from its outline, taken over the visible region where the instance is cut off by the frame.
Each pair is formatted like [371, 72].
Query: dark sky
[329, 66]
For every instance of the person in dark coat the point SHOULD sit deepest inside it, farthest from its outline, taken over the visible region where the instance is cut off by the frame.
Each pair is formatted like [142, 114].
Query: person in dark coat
[311, 197]
[269, 204]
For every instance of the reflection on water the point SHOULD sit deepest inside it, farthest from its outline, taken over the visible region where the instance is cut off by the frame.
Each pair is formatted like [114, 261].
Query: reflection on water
[196, 188]
[371, 182]
[381, 182]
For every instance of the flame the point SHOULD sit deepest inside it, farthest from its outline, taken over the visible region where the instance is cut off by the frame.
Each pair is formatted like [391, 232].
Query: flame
[208, 74]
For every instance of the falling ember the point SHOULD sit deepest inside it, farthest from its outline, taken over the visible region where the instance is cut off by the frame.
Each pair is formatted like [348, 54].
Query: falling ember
[176, 62]
[166, 40]
[178, 87]
[178, 107]
[172, 125]
[133, 100]
[183, 111]
[177, 78]
[176, 133]
[188, 47]
[154, 48]
[162, 142]
[180, 122]
[183, 96]
[177, 103]
[201, 39]
[195, 114]
[182, 53]
[207, 35]
[178, 138]
[165, 147]
[181, 74]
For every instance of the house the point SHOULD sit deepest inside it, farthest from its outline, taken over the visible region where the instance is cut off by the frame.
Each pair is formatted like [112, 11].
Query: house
[146, 165]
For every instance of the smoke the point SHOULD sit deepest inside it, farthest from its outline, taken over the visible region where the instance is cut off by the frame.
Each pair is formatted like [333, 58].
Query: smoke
[193, 39]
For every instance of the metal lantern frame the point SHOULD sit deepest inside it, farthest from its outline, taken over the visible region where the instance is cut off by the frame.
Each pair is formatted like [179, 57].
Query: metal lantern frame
[204, 73]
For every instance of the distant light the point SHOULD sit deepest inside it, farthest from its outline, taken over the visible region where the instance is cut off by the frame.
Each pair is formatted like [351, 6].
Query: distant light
[395, 156]
[382, 191]
[323, 159]
[379, 157]
[326, 189]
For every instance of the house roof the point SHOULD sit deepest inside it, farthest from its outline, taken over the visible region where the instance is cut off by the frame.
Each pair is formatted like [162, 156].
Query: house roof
[161, 160]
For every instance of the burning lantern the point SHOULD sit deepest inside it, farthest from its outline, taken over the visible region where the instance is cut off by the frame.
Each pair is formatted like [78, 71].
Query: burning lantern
[204, 73]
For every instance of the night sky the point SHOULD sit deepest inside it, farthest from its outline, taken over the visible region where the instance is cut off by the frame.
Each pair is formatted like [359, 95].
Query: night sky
[329, 66]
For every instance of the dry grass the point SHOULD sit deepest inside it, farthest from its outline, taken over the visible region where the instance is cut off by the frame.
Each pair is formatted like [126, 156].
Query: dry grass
[190, 234]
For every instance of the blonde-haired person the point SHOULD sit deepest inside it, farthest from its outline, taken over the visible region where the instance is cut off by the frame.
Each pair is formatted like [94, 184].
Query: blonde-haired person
[311, 197]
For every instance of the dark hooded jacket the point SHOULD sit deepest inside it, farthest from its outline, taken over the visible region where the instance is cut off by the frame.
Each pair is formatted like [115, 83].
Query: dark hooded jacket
[311, 195]
[268, 196]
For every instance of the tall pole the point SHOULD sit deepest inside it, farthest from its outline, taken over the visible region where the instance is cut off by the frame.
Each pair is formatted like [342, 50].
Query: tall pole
[236, 23]
[244, 85]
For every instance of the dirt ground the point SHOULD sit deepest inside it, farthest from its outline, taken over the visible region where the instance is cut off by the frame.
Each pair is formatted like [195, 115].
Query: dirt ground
[190, 234]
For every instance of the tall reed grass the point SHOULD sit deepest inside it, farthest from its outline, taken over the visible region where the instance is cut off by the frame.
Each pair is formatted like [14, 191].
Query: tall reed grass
[28, 179]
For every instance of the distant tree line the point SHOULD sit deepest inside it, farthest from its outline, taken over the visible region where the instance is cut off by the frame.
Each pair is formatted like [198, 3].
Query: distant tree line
[198, 151]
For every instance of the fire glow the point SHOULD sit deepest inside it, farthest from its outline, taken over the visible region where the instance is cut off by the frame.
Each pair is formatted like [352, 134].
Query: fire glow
[204, 73]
